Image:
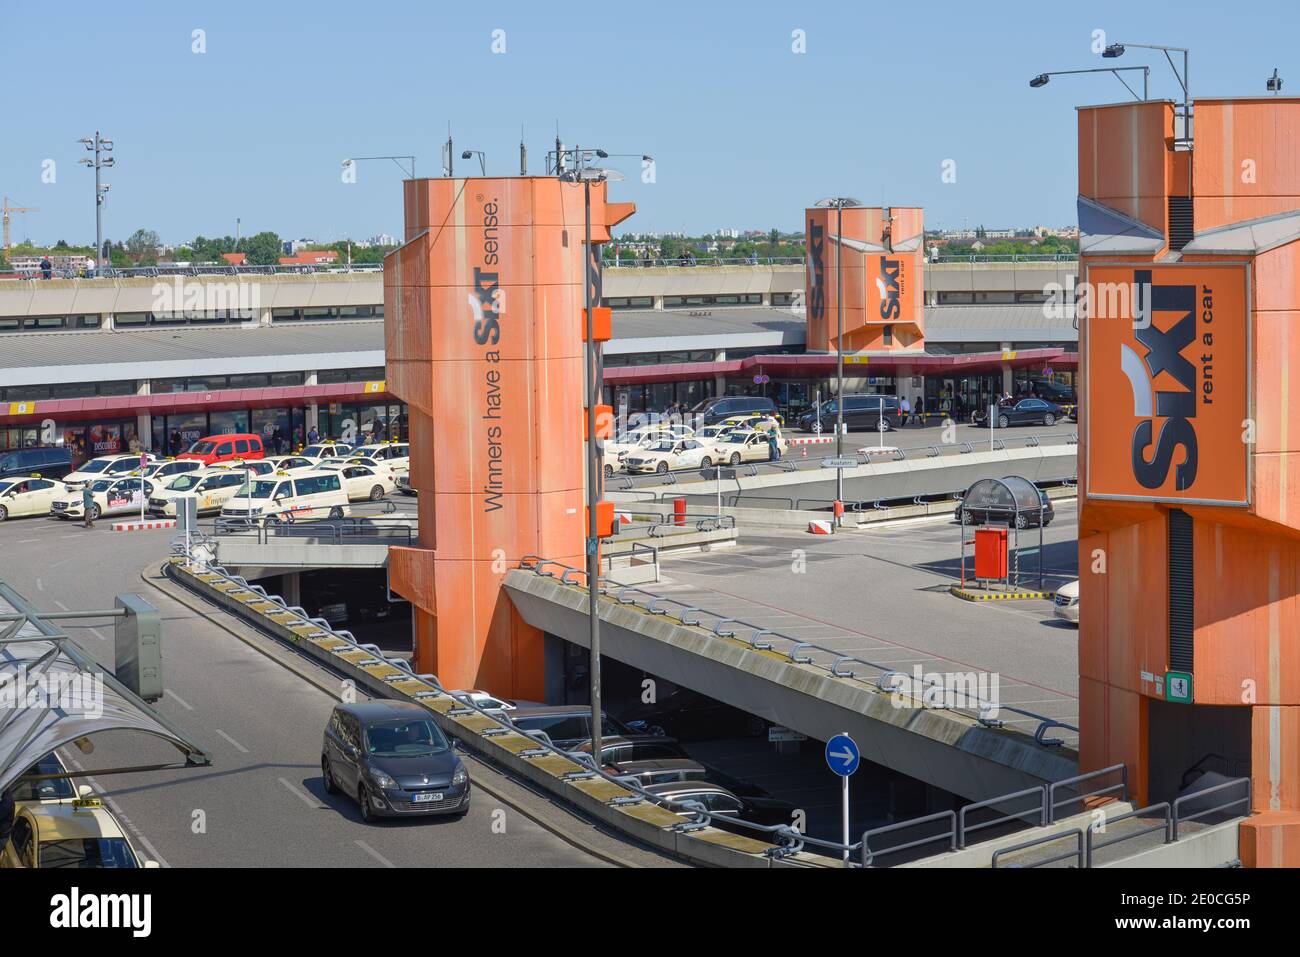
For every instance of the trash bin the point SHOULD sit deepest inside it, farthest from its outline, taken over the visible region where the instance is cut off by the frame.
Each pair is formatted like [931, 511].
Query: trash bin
[991, 553]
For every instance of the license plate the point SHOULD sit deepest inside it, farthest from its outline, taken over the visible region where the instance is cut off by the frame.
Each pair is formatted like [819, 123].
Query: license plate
[427, 797]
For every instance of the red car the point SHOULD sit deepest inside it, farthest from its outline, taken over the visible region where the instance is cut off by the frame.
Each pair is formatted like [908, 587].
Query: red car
[224, 448]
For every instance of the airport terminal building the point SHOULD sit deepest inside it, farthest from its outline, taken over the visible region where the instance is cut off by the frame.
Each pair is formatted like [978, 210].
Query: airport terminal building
[155, 361]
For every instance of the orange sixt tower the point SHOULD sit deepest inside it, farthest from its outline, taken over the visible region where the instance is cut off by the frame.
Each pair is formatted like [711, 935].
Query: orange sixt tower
[1189, 531]
[883, 253]
[485, 335]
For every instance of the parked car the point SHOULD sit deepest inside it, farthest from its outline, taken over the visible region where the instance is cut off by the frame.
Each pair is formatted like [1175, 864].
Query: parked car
[1011, 499]
[861, 413]
[1021, 412]
[724, 406]
[566, 725]
[1067, 602]
[725, 806]
[393, 760]
[745, 446]
[53, 463]
[1054, 391]
[70, 834]
[623, 748]
[669, 455]
[690, 716]
[660, 771]
[108, 497]
[28, 495]
[224, 448]
[103, 467]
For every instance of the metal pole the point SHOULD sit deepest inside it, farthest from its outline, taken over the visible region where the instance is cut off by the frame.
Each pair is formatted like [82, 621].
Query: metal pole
[99, 210]
[845, 815]
[593, 539]
[719, 468]
[839, 348]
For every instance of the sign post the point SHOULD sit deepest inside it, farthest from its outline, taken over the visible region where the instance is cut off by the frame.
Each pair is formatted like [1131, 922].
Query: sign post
[144, 460]
[843, 757]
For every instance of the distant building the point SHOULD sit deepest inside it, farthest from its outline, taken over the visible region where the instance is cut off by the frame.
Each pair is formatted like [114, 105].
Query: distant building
[311, 257]
[236, 259]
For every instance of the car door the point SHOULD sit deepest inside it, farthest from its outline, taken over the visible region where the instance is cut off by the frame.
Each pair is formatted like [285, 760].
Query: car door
[120, 496]
[358, 481]
[691, 455]
[40, 493]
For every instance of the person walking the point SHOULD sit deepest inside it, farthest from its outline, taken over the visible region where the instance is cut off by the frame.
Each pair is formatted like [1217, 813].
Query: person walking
[919, 407]
[904, 411]
[773, 447]
[312, 436]
[87, 506]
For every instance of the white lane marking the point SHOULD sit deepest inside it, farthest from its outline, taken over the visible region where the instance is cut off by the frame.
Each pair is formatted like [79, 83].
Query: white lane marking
[62, 607]
[375, 854]
[120, 814]
[27, 541]
[179, 699]
[65, 561]
[40, 585]
[96, 633]
[301, 795]
[240, 747]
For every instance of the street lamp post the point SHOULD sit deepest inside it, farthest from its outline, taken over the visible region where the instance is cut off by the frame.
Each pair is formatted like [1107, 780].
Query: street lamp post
[99, 146]
[1042, 78]
[838, 203]
[410, 173]
[482, 159]
[1117, 50]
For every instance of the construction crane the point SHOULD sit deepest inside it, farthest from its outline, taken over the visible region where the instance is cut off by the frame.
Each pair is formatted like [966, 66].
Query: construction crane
[6, 209]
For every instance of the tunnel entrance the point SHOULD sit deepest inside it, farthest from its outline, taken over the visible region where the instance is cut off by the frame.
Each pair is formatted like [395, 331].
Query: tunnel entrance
[1185, 742]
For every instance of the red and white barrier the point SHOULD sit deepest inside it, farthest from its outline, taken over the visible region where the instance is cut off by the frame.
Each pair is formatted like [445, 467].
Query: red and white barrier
[821, 527]
[813, 440]
[624, 518]
[144, 526]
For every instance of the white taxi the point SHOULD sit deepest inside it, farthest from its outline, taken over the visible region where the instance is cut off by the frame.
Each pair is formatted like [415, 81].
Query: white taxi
[277, 498]
[396, 455]
[362, 481]
[212, 488]
[109, 497]
[288, 463]
[644, 435]
[746, 445]
[164, 470]
[325, 450]
[668, 455]
[28, 495]
[77, 833]
[106, 466]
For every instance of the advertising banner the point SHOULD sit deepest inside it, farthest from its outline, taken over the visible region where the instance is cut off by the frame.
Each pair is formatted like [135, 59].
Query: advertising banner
[1167, 363]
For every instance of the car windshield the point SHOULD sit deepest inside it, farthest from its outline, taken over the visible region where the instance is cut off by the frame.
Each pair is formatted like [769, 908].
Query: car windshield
[94, 466]
[203, 448]
[317, 451]
[87, 852]
[260, 489]
[395, 739]
[736, 438]
[663, 446]
[183, 483]
[367, 451]
[6, 486]
[53, 789]
[101, 485]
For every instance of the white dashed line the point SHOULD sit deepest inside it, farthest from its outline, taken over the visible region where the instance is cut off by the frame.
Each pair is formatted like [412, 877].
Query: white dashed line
[62, 607]
[40, 585]
[238, 746]
[375, 854]
[300, 794]
[65, 561]
[179, 699]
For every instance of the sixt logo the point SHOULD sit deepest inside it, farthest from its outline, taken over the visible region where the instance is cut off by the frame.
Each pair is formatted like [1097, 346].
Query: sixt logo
[1177, 409]
[889, 284]
[817, 269]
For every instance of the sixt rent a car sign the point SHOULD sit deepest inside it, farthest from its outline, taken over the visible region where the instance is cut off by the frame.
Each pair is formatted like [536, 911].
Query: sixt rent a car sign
[1167, 383]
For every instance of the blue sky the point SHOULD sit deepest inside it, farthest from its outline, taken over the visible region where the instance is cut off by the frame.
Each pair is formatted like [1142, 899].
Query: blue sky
[745, 132]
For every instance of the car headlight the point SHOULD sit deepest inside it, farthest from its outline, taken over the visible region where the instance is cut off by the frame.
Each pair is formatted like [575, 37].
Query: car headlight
[256, 511]
[460, 777]
[381, 779]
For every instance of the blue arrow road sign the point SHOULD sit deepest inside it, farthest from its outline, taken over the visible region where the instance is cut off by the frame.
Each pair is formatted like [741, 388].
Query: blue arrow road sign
[842, 755]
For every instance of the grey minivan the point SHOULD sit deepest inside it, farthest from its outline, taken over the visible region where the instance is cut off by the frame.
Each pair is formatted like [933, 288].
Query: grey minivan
[393, 760]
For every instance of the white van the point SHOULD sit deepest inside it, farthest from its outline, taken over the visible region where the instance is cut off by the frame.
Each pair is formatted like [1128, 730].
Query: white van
[289, 498]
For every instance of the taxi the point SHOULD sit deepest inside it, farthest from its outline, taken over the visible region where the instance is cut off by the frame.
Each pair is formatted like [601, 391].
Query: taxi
[277, 498]
[326, 449]
[361, 481]
[164, 470]
[644, 435]
[22, 495]
[212, 488]
[106, 466]
[396, 455]
[758, 423]
[289, 463]
[746, 445]
[75, 833]
[670, 454]
[109, 497]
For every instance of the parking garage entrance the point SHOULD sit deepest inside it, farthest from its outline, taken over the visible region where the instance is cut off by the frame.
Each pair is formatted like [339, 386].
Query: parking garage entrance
[1187, 741]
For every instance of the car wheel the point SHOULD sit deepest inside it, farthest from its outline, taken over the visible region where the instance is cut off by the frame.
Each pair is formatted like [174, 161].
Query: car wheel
[706, 463]
[376, 493]
[363, 801]
[327, 776]
[657, 730]
[662, 468]
[1003, 421]
[609, 471]
[4, 513]
[1022, 521]
[1049, 419]
[94, 513]
[735, 458]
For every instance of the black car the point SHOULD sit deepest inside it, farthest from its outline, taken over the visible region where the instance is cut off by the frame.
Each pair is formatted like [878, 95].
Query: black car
[725, 805]
[49, 463]
[620, 749]
[394, 760]
[1054, 392]
[688, 715]
[566, 725]
[1021, 412]
[1011, 499]
[861, 413]
[722, 407]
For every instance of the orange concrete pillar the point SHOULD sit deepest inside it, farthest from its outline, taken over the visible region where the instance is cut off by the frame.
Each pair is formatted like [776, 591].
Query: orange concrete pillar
[484, 339]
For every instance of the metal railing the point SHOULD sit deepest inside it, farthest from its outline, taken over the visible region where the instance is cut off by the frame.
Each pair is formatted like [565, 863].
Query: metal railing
[1166, 824]
[1079, 853]
[1053, 804]
[699, 260]
[1221, 808]
[348, 531]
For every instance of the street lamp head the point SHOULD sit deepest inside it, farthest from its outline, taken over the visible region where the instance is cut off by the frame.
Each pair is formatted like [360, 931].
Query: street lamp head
[1040, 80]
[466, 155]
[647, 158]
[1113, 51]
[87, 143]
[602, 154]
[1274, 83]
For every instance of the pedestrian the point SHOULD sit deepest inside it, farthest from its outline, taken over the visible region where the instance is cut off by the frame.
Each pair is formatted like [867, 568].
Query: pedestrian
[7, 810]
[47, 268]
[174, 442]
[919, 407]
[312, 436]
[773, 447]
[87, 506]
[904, 410]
